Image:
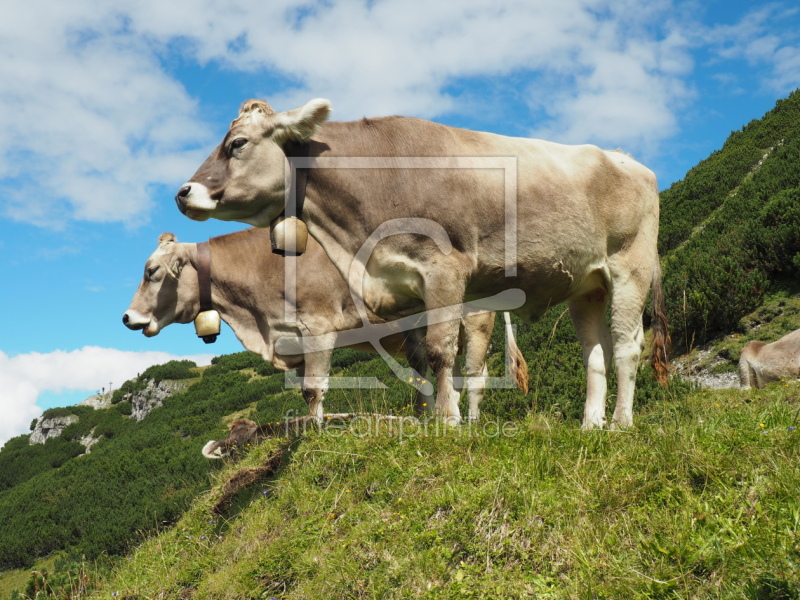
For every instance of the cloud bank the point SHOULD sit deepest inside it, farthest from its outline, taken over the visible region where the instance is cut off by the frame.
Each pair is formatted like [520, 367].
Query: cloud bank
[24, 377]
[94, 111]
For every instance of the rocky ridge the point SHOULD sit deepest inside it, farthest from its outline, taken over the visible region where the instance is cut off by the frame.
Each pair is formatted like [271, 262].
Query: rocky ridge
[143, 402]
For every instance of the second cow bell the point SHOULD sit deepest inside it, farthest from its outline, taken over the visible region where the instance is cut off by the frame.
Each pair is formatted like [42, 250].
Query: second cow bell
[288, 236]
[207, 325]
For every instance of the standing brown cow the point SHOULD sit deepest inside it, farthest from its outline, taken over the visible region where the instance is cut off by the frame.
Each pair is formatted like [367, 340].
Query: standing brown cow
[418, 216]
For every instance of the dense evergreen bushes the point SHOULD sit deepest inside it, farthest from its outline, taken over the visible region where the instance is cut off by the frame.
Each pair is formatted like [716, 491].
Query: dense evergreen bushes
[730, 231]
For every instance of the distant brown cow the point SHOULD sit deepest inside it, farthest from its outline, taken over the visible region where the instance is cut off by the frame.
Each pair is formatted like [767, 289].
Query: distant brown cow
[762, 363]
[244, 432]
[240, 433]
[247, 288]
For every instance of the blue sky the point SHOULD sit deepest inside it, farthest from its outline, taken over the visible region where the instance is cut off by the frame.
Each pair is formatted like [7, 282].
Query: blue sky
[105, 110]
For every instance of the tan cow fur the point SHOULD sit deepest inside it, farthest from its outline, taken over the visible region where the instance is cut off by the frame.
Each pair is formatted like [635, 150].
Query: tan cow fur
[586, 229]
[762, 363]
[247, 289]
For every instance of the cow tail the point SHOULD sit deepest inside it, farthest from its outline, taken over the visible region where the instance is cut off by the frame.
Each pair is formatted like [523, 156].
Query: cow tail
[518, 368]
[661, 340]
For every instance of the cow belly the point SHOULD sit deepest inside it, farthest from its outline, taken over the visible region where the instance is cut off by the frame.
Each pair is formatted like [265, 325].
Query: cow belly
[394, 288]
[546, 282]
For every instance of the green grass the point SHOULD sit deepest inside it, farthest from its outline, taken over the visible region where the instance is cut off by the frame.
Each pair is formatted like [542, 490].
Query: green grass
[699, 500]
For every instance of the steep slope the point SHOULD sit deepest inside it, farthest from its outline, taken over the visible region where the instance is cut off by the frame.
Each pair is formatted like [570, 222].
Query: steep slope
[730, 231]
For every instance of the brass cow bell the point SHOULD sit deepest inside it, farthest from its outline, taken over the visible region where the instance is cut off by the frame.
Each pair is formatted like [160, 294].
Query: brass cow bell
[288, 236]
[207, 325]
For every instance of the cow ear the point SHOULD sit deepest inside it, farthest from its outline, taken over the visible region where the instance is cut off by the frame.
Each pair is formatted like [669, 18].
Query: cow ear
[301, 123]
[176, 256]
[166, 238]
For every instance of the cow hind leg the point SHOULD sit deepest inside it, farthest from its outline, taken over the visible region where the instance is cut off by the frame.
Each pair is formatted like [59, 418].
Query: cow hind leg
[588, 313]
[627, 305]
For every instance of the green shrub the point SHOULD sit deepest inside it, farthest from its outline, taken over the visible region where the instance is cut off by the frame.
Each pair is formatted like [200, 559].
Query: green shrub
[239, 361]
[174, 369]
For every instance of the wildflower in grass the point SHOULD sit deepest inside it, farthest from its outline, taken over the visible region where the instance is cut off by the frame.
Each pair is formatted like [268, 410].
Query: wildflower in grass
[761, 425]
[790, 428]
[265, 492]
[202, 537]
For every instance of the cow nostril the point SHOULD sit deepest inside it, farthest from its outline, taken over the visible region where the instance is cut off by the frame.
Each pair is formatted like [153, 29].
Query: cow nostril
[125, 319]
[184, 191]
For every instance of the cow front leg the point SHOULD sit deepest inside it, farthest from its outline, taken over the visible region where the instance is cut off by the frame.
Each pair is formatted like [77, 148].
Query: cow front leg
[314, 381]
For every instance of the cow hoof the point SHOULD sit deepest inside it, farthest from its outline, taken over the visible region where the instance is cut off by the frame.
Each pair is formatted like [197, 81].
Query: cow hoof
[452, 421]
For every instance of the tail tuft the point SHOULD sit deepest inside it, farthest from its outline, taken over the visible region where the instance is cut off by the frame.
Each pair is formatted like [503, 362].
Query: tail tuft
[660, 346]
[518, 368]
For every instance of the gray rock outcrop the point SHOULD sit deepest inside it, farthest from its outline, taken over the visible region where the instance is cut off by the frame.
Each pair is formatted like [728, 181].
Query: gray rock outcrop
[52, 427]
[151, 397]
[98, 401]
[88, 441]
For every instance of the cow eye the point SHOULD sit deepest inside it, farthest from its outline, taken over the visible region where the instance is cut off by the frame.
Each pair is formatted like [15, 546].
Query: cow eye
[238, 143]
[151, 271]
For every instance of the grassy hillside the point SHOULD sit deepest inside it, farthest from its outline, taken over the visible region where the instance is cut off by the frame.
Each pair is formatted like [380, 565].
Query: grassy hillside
[699, 500]
[694, 502]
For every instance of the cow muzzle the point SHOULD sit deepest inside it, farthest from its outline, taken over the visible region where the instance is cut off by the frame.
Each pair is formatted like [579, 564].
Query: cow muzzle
[134, 321]
[194, 201]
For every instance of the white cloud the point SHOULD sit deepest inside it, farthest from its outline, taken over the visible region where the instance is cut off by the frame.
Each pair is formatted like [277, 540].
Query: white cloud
[90, 118]
[764, 41]
[24, 377]
[87, 115]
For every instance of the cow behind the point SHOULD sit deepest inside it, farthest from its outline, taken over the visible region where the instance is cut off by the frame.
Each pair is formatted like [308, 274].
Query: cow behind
[762, 363]
[247, 288]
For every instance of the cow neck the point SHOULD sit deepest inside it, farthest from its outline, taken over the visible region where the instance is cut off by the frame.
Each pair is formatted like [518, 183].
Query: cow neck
[204, 275]
[297, 187]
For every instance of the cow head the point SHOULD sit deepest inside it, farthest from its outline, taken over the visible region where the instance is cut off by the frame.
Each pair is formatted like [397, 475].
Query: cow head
[244, 179]
[168, 293]
[241, 433]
